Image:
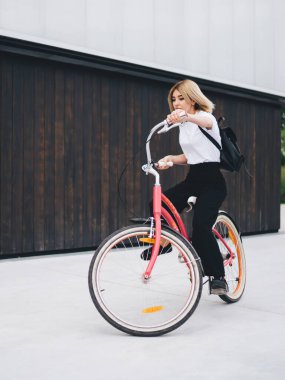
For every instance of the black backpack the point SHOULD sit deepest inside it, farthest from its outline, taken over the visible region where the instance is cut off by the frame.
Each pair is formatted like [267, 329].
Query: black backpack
[231, 157]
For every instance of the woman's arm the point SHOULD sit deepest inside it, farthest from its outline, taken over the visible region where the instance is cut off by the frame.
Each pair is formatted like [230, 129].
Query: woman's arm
[179, 159]
[204, 121]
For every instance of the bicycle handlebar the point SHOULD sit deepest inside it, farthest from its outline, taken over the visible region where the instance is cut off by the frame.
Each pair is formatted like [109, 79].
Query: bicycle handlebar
[165, 127]
[149, 167]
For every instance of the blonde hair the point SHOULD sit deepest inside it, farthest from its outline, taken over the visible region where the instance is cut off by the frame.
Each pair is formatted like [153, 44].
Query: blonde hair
[191, 91]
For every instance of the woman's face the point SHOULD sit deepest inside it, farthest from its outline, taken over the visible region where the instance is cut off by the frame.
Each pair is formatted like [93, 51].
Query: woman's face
[179, 102]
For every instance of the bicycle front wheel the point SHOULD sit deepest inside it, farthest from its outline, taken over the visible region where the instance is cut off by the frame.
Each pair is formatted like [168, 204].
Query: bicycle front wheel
[129, 302]
[235, 270]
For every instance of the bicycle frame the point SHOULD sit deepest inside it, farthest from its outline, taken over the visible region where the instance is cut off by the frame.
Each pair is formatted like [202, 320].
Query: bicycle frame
[174, 221]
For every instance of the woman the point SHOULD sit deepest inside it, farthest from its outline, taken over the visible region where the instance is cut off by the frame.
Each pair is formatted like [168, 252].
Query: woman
[204, 179]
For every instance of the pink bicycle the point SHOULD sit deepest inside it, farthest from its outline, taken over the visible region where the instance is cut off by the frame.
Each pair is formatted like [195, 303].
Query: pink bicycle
[150, 298]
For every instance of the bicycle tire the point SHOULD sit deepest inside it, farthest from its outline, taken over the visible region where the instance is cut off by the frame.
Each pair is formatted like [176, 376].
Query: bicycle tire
[133, 305]
[235, 274]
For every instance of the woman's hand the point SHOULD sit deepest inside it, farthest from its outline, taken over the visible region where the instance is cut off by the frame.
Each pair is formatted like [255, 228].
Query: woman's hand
[177, 116]
[168, 161]
[165, 163]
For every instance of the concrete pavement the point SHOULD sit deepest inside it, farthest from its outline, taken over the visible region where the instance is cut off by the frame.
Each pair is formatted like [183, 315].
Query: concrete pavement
[50, 330]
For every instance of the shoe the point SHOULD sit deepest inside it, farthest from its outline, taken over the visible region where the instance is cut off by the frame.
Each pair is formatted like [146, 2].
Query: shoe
[146, 254]
[218, 286]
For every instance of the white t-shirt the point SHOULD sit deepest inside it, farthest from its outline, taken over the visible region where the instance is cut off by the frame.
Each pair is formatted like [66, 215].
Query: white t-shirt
[197, 147]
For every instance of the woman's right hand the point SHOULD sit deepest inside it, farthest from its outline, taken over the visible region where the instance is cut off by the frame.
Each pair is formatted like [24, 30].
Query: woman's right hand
[165, 163]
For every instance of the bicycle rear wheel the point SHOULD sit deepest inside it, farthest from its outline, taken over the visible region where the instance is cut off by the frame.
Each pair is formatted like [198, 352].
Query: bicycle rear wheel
[129, 302]
[235, 271]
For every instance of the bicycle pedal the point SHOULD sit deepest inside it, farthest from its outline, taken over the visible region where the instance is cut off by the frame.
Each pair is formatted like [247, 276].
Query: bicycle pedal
[225, 256]
[147, 240]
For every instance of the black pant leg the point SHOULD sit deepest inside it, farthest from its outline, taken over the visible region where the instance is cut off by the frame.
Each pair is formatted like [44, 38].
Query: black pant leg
[205, 214]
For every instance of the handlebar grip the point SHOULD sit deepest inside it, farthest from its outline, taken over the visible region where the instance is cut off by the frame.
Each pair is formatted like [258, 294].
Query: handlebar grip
[163, 163]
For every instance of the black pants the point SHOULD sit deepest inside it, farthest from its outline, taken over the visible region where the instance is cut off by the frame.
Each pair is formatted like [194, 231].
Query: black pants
[206, 182]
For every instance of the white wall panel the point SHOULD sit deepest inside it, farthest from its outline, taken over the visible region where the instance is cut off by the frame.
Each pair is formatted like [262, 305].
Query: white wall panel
[220, 38]
[243, 62]
[104, 26]
[138, 29]
[65, 21]
[279, 46]
[27, 16]
[195, 37]
[169, 33]
[264, 44]
[239, 42]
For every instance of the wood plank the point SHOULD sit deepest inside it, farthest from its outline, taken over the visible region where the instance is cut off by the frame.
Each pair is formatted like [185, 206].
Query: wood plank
[49, 200]
[78, 163]
[97, 167]
[89, 161]
[28, 158]
[69, 160]
[39, 159]
[115, 150]
[59, 190]
[106, 158]
[6, 160]
[18, 156]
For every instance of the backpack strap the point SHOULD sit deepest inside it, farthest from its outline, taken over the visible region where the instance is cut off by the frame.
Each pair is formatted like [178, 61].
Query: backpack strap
[217, 145]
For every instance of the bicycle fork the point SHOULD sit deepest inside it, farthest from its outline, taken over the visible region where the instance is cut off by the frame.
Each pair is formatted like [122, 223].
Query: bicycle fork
[231, 256]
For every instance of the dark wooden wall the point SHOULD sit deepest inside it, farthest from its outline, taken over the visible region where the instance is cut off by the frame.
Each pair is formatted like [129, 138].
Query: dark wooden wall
[68, 130]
